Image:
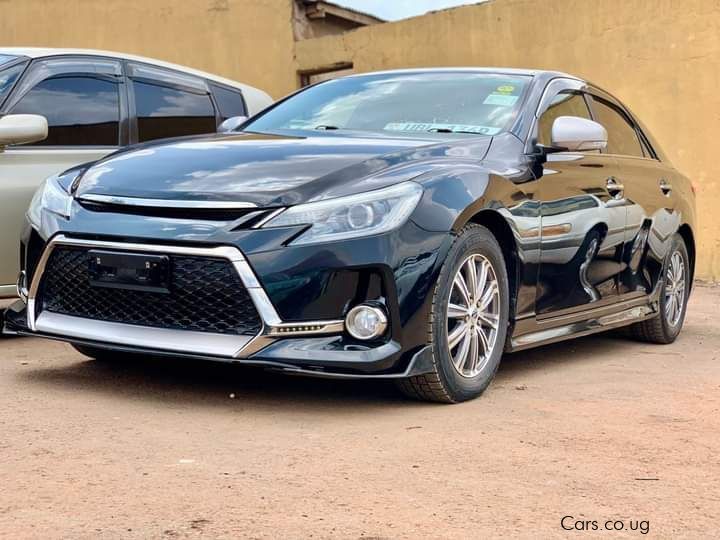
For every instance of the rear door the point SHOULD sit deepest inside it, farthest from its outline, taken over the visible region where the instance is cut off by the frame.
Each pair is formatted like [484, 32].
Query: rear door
[84, 102]
[652, 219]
[582, 219]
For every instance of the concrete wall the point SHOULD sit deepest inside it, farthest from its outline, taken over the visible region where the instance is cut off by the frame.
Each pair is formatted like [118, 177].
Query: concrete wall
[246, 40]
[662, 57]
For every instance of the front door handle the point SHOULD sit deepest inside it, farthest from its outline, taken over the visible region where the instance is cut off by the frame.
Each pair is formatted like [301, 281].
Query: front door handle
[665, 187]
[615, 188]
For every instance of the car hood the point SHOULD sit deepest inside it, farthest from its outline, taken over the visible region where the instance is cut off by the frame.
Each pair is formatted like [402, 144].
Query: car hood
[268, 170]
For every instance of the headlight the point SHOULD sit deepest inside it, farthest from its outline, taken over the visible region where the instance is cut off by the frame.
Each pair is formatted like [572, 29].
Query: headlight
[364, 214]
[51, 197]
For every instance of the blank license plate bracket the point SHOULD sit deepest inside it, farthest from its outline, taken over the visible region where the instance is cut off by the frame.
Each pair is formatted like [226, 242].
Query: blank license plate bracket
[131, 271]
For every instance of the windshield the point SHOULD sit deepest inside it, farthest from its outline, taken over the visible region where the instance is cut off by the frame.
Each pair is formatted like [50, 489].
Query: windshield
[8, 76]
[5, 58]
[440, 102]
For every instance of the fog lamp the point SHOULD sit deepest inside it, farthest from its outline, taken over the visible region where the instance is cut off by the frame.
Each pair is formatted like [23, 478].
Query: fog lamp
[366, 322]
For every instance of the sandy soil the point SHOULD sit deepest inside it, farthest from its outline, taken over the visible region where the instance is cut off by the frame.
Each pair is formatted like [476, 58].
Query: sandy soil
[600, 429]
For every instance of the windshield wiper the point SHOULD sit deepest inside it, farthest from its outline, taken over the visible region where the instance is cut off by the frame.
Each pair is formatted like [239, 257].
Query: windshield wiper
[323, 127]
[448, 130]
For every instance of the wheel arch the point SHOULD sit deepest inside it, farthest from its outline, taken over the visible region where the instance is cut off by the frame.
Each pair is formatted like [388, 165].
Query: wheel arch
[689, 238]
[501, 230]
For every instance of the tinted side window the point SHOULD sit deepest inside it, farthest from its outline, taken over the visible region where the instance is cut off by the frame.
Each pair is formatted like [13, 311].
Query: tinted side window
[81, 111]
[622, 137]
[167, 112]
[564, 104]
[230, 102]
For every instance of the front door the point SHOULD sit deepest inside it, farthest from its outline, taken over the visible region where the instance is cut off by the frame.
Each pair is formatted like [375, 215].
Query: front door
[583, 219]
[82, 101]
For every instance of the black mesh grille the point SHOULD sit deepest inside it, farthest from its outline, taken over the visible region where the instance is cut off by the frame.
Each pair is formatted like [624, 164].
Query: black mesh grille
[206, 295]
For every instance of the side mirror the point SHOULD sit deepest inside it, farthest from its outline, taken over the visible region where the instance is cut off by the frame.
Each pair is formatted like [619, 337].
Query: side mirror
[231, 124]
[22, 129]
[577, 134]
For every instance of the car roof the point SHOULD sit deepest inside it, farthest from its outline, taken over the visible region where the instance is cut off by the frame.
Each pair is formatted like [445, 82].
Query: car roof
[550, 74]
[43, 52]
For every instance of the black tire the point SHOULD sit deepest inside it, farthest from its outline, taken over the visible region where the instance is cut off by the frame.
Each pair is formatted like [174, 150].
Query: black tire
[445, 384]
[660, 329]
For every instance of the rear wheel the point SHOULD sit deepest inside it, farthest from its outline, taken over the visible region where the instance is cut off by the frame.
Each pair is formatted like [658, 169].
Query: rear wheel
[666, 326]
[468, 323]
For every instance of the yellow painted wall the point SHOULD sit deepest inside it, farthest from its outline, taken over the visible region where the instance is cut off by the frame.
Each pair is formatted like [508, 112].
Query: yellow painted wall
[246, 40]
[661, 57]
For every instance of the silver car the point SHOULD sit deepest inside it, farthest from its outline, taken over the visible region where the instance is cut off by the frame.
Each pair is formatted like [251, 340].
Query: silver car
[63, 107]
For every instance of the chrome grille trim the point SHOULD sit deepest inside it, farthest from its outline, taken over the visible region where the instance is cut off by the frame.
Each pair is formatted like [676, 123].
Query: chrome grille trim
[164, 203]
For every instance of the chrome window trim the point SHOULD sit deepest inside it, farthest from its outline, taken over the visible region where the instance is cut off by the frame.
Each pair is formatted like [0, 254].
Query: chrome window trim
[273, 327]
[162, 203]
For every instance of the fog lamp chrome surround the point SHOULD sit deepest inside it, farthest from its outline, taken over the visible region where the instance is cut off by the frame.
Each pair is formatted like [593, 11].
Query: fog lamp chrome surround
[379, 330]
[21, 286]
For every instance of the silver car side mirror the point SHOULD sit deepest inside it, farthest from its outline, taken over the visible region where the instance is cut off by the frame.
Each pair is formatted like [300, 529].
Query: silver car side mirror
[231, 124]
[22, 129]
[578, 134]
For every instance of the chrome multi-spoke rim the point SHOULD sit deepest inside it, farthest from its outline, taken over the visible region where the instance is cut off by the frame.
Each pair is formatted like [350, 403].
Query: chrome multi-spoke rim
[473, 315]
[675, 289]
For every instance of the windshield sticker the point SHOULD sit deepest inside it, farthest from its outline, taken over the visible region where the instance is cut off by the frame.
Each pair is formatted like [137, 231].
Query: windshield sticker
[505, 89]
[503, 100]
[442, 128]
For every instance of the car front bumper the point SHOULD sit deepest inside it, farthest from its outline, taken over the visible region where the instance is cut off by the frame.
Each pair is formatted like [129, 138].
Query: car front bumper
[325, 357]
[301, 295]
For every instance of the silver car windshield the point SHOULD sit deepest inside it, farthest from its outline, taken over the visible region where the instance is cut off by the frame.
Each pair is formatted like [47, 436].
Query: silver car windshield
[8, 76]
[5, 58]
[430, 102]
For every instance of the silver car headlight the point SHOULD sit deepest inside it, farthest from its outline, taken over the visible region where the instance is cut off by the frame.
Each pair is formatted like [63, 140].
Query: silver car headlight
[364, 214]
[50, 197]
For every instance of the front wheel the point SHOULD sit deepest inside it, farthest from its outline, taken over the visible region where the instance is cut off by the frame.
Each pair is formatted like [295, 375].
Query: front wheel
[468, 322]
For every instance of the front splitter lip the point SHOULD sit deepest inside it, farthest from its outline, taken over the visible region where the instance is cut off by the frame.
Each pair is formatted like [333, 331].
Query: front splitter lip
[420, 362]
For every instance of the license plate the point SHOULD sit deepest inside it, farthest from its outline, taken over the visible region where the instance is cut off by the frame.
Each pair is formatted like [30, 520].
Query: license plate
[130, 271]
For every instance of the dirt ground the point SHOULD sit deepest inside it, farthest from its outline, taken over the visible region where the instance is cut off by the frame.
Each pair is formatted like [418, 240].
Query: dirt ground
[599, 429]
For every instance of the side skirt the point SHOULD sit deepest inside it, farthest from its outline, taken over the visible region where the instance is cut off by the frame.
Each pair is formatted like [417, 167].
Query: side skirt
[552, 330]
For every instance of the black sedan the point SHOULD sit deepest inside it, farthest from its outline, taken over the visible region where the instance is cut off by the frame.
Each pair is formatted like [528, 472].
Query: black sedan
[409, 225]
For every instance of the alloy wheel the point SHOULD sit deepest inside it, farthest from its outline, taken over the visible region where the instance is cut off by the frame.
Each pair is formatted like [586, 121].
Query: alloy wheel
[473, 315]
[675, 289]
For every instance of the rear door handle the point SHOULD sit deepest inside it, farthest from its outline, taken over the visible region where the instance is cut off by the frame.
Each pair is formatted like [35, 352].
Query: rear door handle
[665, 187]
[615, 188]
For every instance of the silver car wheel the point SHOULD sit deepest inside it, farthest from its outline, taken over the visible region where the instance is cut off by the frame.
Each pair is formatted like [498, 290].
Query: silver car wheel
[675, 289]
[473, 315]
